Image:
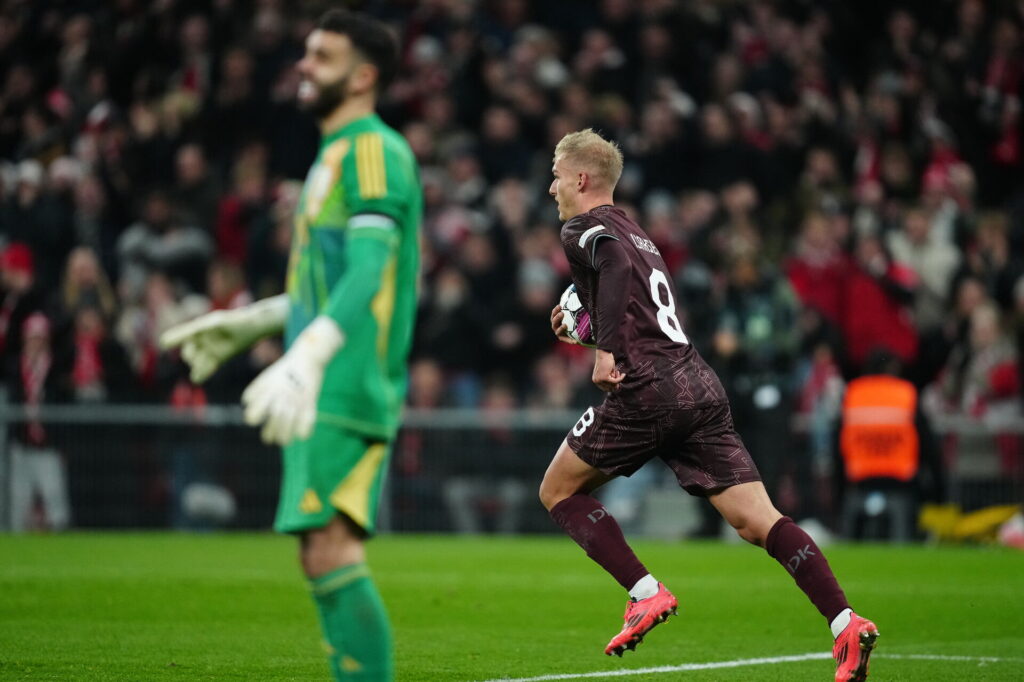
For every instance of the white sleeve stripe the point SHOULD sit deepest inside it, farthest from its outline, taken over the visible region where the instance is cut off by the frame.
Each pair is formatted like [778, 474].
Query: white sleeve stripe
[378, 220]
[586, 235]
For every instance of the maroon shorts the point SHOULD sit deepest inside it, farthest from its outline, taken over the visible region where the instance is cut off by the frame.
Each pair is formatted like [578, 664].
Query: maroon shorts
[699, 444]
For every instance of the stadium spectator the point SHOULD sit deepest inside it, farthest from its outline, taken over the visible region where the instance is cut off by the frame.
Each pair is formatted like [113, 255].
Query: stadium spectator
[37, 467]
[503, 152]
[94, 226]
[515, 344]
[21, 298]
[86, 284]
[819, 385]
[40, 218]
[417, 502]
[755, 348]
[99, 365]
[990, 259]
[153, 308]
[484, 491]
[817, 268]
[663, 229]
[226, 286]
[979, 379]
[235, 113]
[159, 242]
[270, 242]
[877, 293]
[243, 207]
[934, 260]
[891, 458]
[453, 329]
[980, 382]
[196, 192]
[662, 150]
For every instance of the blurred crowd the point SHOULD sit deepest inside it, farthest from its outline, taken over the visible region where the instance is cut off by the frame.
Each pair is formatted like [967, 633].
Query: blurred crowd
[824, 179]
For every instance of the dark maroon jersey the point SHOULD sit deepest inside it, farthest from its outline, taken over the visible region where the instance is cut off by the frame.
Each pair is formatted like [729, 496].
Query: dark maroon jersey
[632, 305]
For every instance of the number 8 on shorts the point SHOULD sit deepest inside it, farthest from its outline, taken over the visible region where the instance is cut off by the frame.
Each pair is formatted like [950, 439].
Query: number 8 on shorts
[586, 420]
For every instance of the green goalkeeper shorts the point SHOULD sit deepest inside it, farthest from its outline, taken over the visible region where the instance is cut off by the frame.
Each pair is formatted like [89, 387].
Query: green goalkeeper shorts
[333, 471]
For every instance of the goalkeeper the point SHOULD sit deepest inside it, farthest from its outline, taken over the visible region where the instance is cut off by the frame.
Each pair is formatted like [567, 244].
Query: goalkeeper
[334, 397]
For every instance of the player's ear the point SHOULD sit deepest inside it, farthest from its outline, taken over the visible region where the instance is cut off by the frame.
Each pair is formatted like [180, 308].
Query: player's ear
[364, 77]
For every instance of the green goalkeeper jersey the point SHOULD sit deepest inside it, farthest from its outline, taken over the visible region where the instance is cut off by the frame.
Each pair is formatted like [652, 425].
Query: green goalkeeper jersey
[355, 258]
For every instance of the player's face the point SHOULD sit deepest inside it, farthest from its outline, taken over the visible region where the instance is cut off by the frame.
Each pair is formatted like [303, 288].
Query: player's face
[326, 70]
[564, 188]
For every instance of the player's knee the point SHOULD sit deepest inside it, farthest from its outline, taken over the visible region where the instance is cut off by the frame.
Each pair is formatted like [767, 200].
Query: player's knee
[319, 560]
[545, 497]
[322, 551]
[750, 529]
[550, 494]
[314, 559]
[751, 536]
[756, 529]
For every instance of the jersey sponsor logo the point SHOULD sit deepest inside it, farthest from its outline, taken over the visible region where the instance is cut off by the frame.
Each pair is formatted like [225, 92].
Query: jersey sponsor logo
[310, 503]
[588, 234]
[644, 244]
[350, 665]
[370, 170]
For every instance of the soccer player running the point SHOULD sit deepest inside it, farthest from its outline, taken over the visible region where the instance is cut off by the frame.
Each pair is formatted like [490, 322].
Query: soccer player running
[663, 401]
[334, 397]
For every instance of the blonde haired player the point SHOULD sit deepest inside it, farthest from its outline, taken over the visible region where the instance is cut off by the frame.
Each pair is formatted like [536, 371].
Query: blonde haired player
[663, 401]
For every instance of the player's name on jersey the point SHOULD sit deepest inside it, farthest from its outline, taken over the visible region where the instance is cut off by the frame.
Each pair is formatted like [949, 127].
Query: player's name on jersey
[645, 244]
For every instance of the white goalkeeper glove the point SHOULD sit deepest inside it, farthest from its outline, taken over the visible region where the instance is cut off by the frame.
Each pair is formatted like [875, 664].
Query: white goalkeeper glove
[210, 339]
[284, 396]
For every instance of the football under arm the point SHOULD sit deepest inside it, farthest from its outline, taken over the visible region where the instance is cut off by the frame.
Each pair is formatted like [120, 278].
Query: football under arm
[614, 269]
[368, 252]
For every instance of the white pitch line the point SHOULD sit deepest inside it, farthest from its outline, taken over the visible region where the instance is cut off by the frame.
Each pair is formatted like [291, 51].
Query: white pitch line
[714, 665]
[941, 657]
[672, 668]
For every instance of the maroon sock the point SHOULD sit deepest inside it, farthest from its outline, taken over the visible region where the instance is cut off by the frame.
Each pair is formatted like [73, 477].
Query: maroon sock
[788, 544]
[598, 533]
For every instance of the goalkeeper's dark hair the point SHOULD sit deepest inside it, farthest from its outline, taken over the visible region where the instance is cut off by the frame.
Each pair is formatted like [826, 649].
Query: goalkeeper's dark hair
[370, 37]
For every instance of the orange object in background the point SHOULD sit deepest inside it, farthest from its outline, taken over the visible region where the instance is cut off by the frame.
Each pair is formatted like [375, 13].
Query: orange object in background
[879, 438]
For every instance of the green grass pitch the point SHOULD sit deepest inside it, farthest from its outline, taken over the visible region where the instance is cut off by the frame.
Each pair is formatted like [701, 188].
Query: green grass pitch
[234, 607]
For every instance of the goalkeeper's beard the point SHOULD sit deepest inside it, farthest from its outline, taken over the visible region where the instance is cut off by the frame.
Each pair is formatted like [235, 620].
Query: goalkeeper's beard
[328, 97]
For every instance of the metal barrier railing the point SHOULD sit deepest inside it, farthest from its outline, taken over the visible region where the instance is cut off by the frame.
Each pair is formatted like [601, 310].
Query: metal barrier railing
[457, 418]
[231, 415]
[452, 469]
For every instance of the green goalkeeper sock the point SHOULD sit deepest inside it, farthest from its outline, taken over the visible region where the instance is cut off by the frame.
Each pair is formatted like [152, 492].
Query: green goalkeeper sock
[355, 625]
